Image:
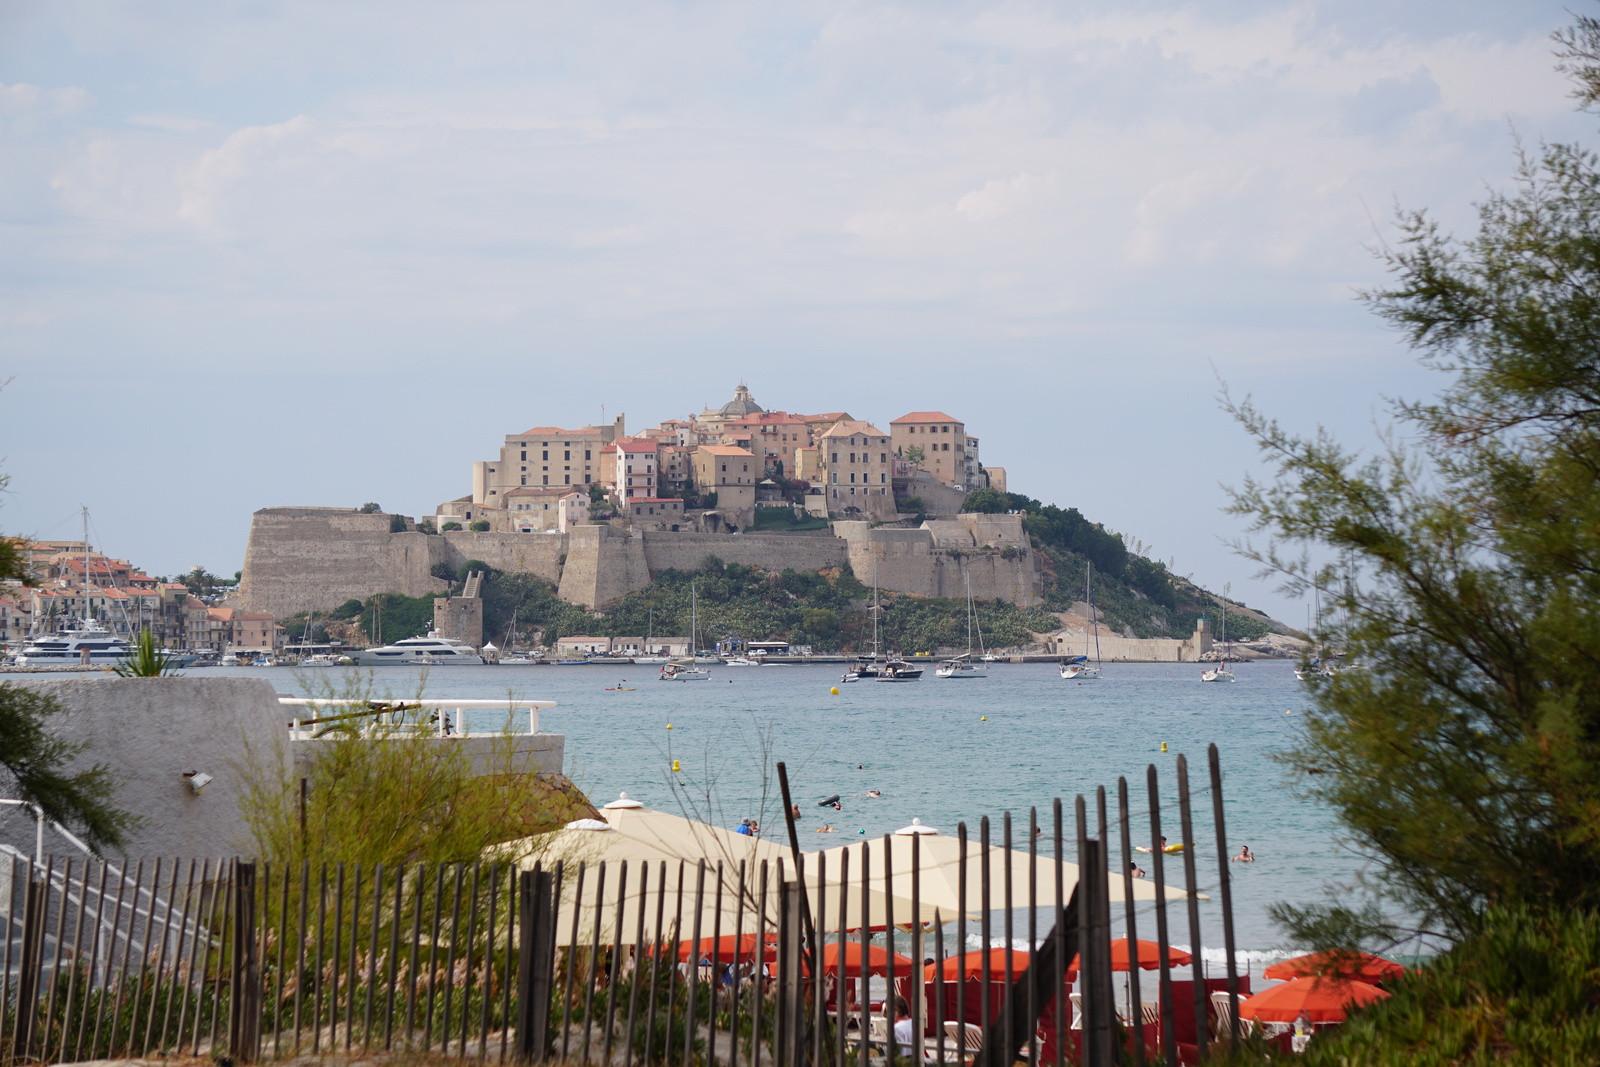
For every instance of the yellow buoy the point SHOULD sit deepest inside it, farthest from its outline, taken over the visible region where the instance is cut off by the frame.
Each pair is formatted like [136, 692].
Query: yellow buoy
[669, 726]
[984, 718]
[675, 766]
[834, 690]
[1163, 746]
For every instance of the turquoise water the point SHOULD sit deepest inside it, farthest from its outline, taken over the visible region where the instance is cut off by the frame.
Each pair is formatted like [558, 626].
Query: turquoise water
[926, 747]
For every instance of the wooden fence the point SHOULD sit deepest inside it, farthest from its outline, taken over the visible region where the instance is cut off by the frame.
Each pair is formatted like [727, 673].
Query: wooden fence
[694, 962]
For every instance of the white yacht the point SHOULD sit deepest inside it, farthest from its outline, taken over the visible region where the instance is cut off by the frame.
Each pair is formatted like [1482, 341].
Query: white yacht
[66, 647]
[432, 650]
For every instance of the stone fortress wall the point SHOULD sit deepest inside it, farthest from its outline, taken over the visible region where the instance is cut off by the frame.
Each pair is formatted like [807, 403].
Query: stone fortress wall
[303, 558]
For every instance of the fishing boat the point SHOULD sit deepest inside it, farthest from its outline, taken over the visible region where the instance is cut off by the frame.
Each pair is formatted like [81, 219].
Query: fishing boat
[1079, 667]
[964, 666]
[687, 670]
[897, 670]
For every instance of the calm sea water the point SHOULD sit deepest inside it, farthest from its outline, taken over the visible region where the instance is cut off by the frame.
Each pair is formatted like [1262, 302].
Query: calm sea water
[944, 751]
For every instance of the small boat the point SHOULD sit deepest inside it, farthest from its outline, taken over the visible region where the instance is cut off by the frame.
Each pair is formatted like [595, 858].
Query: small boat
[851, 676]
[1220, 673]
[684, 670]
[323, 659]
[742, 661]
[898, 670]
[963, 666]
[1079, 667]
[621, 689]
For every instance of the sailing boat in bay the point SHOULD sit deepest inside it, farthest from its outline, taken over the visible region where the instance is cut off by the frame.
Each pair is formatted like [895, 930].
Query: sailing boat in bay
[1220, 673]
[1080, 668]
[964, 666]
[686, 670]
[650, 655]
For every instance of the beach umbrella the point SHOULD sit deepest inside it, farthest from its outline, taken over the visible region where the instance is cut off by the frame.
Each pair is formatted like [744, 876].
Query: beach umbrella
[877, 960]
[938, 863]
[972, 965]
[664, 854]
[1149, 956]
[1361, 966]
[730, 948]
[1322, 1000]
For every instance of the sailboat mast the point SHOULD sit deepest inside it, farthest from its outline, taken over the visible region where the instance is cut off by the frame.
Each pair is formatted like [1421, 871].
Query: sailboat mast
[1094, 615]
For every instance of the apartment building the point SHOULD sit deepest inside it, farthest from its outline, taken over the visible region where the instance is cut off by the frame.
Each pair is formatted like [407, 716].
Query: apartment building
[635, 460]
[856, 461]
[942, 440]
[547, 456]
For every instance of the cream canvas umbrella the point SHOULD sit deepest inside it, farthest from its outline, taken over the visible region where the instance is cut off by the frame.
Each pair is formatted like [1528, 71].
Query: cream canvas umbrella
[667, 886]
[939, 873]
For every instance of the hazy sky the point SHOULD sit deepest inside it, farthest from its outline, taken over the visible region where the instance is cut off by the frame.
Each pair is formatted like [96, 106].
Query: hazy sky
[258, 254]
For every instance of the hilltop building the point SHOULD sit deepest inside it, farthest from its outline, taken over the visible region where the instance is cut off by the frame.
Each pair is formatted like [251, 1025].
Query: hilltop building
[732, 474]
[855, 462]
[635, 461]
[942, 440]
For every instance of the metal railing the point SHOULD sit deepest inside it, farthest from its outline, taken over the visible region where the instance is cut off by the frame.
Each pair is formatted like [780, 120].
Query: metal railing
[441, 717]
[771, 957]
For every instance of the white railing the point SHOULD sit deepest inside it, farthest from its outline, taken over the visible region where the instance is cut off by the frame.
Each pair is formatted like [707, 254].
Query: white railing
[439, 716]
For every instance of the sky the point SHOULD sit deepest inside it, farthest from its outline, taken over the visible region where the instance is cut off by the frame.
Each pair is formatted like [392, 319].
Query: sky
[261, 254]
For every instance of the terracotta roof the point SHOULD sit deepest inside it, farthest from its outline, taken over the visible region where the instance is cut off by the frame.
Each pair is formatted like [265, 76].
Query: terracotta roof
[548, 431]
[850, 427]
[924, 416]
[830, 416]
[545, 490]
[726, 450]
[654, 500]
[768, 418]
[638, 444]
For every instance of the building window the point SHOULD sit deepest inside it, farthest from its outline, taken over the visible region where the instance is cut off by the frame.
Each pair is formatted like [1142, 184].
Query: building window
[566, 455]
[524, 453]
[569, 479]
[586, 454]
[883, 478]
[546, 479]
[544, 455]
[883, 457]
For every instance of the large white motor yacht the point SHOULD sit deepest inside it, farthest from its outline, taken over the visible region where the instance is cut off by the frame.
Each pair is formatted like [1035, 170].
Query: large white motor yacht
[65, 647]
[432, 650]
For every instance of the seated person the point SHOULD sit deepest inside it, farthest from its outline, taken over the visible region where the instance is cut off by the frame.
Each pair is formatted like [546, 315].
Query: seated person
[905, 1038]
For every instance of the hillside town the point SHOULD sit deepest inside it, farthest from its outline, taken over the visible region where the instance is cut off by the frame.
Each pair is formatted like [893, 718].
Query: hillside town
[718, 470]
[77, 583]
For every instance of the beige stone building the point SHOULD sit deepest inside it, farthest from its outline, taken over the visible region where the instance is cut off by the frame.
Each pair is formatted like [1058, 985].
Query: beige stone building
[732, 474]
[542, 509]
[775, 436]
[856, 462]
[941, 438]
[545, 456]
[712, 421]
[654, 513]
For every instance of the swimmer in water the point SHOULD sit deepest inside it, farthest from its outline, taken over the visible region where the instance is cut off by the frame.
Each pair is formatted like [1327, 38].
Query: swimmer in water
[875, 794]
[1244, 856]
[1135, 870]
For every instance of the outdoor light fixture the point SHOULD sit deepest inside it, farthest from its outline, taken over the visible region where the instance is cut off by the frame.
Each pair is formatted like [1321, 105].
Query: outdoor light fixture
[198, 780]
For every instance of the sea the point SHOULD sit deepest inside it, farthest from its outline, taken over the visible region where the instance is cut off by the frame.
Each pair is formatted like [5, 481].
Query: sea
[945, 751]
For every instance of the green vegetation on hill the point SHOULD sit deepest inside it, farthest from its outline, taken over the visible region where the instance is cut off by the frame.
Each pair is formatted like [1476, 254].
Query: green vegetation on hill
[826, 611]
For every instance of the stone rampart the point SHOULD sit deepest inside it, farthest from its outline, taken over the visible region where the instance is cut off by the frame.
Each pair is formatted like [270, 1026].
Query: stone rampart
[316, 558]
[305, 559]
[771, 551]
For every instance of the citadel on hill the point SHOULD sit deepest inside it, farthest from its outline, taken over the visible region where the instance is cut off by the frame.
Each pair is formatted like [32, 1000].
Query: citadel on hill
[600, 513]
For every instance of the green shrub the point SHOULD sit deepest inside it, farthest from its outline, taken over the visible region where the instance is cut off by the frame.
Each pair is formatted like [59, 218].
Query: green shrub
[447, 527]
[348, 610]
[478, 526]
[397, 524]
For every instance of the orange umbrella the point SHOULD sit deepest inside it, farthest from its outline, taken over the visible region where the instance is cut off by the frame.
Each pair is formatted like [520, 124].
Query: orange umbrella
[728, 949]
[1361, 966]
[1322, 1000]
[1149, 956]
[971, 965]
[877, 960]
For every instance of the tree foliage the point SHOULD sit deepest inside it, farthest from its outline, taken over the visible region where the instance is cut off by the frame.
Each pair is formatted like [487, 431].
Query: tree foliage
[1465, 565]
[33, 758]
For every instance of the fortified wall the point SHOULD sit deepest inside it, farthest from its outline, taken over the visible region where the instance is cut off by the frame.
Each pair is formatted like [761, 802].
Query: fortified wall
[303, 559]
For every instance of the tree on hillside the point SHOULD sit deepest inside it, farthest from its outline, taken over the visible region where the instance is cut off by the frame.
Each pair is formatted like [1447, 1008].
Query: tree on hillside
[1465, 754]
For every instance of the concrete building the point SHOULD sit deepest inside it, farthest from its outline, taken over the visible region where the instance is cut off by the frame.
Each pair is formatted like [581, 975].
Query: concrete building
[856, 464]
[732, 474]
[635, 475]
[543, 456]
[672, 470]
[546, 509]
[583, 645]
[975, 478]
[942, 439]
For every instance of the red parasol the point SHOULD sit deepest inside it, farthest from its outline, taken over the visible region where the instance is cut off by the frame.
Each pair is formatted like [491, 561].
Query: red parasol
[728, 949]
[877, 960]
[971, 965]
[1360, 966]
[1322, 1000]
[1149, 956]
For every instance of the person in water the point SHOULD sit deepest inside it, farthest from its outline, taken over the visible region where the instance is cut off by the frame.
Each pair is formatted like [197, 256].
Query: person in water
[794, 810]
[837, 806]
[874, 793]
[1244, 856]
[1135, 869]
